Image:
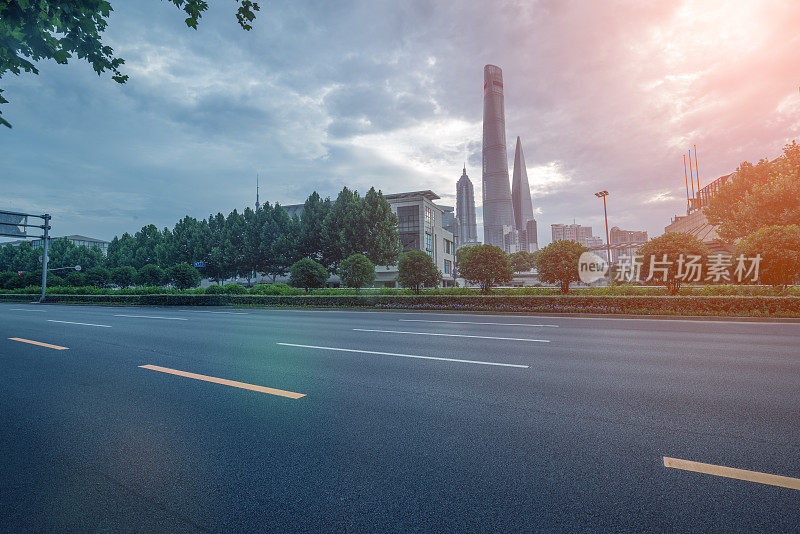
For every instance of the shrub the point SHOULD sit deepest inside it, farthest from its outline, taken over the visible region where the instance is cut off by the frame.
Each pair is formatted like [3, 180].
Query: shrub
[357, 271]
[11, 280]
[416, 269]
[214, 290]
[123, 276]
[557, 263]
[150, 275]
[308, 274]
[183, 276]
[98, 277]
[234, 289]
[75, 279]
[275, 289]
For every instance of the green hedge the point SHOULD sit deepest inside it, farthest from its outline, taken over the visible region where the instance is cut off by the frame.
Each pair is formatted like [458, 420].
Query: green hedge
[626, 304]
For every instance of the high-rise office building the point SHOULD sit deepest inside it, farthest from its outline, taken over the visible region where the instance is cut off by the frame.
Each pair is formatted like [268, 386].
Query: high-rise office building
[521, 190]
[497, 208]
[577, 233]
[465, 211]
[521, 202]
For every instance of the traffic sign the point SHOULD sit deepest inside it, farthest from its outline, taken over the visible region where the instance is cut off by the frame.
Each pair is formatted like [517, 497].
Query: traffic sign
[200, 264]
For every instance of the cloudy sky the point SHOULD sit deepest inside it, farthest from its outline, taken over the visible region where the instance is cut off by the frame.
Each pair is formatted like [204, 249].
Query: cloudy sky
[605, 95]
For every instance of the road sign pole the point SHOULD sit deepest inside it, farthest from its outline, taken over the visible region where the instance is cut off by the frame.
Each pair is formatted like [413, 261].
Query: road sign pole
[45, 244]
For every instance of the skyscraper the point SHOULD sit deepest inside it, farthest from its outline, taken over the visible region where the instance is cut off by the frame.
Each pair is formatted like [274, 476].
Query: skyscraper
[465, 211]
[497, 208]
[521, 190]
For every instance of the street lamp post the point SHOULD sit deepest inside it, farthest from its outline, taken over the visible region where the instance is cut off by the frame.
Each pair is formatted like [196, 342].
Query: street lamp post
[603, 195]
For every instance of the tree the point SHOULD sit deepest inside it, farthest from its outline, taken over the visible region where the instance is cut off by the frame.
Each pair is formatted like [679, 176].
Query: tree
[123, 276]
[308, 274]
[779, 247]
[522, 261]
[765, 194]
[75, 279]
[183, 276]
[661, 258]
[357, 271]
[485, 265]
[120, 251]
[279, 242]
[312, 228]
[98, 277]
[558, 263]
[150, 275]
[382, 241]
[416, 269]
[58, 30]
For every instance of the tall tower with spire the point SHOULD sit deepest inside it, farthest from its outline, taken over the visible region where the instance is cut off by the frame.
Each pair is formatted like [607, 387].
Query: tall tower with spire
[498, 213]
[465, 210]
[521, 190]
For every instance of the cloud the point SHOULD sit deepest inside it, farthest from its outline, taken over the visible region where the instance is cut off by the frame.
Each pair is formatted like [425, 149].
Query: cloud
[604, 95]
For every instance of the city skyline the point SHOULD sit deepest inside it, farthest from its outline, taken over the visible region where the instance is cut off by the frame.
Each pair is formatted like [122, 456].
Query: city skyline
[204, 111]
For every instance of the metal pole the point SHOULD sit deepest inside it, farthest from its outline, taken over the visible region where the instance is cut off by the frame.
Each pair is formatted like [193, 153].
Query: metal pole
[44, 254]
[608, 241]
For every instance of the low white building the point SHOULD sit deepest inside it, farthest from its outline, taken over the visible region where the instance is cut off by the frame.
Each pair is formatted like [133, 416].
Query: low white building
[420, 228]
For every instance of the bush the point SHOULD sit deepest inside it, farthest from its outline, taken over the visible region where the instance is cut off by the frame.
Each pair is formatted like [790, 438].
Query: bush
[98, 277]
[53, 280]
[150, 275]
[234, 289]
[11, 280]
[183, 276]
[75, 279]
[123, 276]
[275, 289]
[214, 290]
[308, 274]
[416, 269]
[357, 271]
[32, 278]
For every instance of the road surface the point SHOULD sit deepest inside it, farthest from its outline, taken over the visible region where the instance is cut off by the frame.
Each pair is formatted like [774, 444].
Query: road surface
[251, 420]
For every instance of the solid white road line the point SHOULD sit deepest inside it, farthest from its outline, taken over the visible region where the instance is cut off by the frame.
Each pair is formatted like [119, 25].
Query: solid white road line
[404, 355]
[25, 309]
[475, 322]
[451, 335]
[83, 324]
[220, 312]
[152, 317]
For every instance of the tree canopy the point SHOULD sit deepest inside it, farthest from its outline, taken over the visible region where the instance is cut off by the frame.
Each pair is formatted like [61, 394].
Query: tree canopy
[670, 259]
[416, 270]
[779, 248]
[485, 265]
[764, 194]
[31, 31]
[557, 263]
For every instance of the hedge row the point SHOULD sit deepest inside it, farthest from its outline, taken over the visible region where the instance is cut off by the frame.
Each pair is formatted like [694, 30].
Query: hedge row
[746, 306]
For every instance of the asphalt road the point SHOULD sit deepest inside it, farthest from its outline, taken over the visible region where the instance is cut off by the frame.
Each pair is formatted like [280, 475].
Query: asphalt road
[568, 434]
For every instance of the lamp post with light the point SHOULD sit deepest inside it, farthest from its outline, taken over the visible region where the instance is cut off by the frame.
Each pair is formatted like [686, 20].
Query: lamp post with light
[603, 195]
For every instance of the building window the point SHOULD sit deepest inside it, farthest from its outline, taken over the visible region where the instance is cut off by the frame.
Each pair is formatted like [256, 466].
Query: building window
[448, 266]
[428, 219]
[429, 243]
[408, 227]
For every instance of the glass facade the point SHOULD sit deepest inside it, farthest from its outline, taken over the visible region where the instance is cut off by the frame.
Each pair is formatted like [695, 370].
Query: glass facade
[408, 227]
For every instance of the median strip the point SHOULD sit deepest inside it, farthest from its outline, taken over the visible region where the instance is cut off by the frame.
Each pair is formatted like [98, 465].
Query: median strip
[731, 472]
[82, 324]
[152, 317]
[360, 351]
[451, 335]
[475, 322]
[39, 343]
[232, 383]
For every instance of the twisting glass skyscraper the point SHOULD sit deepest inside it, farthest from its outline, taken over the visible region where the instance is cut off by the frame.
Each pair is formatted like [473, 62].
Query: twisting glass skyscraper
[521, 190]
[497, 209]
[465, 210]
